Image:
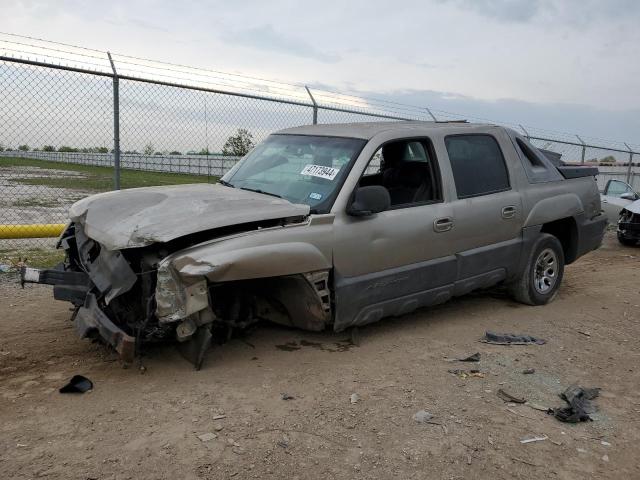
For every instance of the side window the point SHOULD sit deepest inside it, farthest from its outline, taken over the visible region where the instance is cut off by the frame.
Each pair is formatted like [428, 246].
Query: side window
[478, 165]
[408, 170]
[615, 188]
[529, 154]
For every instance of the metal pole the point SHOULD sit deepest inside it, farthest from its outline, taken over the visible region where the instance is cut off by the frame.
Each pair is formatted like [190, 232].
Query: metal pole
[315, 106]
[116, 126]
[431, 114]
[584, 148]
[630, 164]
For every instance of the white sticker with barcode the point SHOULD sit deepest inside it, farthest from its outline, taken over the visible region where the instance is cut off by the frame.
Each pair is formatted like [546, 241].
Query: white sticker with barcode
[31, 275]
[320, 171]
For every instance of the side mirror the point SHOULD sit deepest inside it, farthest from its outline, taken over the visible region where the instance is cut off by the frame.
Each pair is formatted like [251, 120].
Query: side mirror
[629, 196]
[369, 200]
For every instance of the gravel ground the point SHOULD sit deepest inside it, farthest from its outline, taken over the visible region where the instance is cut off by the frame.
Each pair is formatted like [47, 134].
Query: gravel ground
[229, 420]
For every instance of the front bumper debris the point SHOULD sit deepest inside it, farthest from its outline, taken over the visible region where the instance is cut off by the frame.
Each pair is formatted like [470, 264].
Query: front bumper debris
[91, 321]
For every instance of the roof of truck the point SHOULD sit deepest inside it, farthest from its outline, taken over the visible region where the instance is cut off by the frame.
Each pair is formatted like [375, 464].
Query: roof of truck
[367, 130]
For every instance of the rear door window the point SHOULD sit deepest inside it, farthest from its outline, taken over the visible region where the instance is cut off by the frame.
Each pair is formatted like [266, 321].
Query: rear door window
[478, 165]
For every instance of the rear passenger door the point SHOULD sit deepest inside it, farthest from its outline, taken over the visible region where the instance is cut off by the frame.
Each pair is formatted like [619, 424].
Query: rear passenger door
[487, 214]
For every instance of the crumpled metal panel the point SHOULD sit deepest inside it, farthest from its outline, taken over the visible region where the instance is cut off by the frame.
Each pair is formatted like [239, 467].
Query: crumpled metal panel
[141, 216]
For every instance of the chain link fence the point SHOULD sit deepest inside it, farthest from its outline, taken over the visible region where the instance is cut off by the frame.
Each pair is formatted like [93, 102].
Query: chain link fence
[77, 122]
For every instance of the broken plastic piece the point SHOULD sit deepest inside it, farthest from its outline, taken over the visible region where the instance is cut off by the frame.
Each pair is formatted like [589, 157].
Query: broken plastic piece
[77, 384]
[507, 397]
[510, 339]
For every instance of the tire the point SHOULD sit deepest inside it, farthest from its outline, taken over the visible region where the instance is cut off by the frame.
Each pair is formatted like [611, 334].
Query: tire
[627, 242]
[539, 282]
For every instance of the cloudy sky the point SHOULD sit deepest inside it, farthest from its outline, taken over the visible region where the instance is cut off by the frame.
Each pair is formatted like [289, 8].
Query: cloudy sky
[566, 65]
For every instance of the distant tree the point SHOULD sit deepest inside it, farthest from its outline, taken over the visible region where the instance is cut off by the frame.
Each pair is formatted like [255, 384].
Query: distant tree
[238, 145]
[1, 148]
[24, 148]
[158, 153]
[48, 148]
[67, 149]
[149, 149]
[204, 151]
[175, 152]
[608, 160]
[102, 150]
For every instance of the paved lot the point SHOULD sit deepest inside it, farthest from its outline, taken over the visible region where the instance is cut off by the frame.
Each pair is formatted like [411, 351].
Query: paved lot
[147, 426]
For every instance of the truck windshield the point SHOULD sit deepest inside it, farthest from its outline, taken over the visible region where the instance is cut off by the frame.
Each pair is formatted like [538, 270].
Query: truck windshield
[299, 168]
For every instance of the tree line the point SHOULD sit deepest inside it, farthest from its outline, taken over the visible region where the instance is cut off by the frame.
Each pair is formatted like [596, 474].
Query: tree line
[237, 145]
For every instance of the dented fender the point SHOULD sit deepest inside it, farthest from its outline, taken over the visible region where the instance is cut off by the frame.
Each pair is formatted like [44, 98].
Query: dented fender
[181, 276]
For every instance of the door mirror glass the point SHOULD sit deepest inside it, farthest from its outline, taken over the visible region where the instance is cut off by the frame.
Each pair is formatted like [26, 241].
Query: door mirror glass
[617, 188]
[369, 200]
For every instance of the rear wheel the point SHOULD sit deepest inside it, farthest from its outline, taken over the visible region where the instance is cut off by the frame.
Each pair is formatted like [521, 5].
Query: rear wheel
[541, 278]
[627, 242]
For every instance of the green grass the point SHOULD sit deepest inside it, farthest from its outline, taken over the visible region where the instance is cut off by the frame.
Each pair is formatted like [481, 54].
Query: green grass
[99, 179]
[34, 202]
[35, 257]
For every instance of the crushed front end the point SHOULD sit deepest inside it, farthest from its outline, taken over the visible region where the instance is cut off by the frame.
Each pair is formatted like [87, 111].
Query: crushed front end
[629, 226]
[112, 291]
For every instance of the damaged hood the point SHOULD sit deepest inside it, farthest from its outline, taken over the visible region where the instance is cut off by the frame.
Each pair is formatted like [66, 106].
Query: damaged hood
[633, 207]
[141, 216]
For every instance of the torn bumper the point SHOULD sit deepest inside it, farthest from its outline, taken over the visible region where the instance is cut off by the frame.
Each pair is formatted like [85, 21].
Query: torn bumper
[91, 321]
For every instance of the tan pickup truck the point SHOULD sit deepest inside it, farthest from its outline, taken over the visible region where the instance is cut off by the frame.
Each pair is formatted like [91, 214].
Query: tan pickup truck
[326, 226]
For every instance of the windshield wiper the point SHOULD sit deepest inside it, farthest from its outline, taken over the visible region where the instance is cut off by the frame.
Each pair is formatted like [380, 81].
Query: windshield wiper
[225, 183]
[256, 190]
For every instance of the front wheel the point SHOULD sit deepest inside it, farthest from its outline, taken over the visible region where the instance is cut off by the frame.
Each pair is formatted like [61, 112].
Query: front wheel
[627, 242]
[539, 282]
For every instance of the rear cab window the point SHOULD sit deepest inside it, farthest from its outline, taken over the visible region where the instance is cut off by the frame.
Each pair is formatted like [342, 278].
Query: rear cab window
[478, 165]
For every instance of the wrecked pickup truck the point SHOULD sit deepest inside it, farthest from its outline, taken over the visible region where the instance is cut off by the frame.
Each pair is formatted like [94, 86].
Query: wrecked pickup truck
[325, 226]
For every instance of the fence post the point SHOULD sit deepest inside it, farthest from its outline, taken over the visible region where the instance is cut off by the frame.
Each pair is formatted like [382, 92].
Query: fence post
[584, 148]
[315, 106]
[630, 164]
[116, 126]
[431, 114]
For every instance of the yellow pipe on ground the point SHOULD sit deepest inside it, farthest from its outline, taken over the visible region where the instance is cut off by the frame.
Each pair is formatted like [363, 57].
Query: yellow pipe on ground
[41, 230]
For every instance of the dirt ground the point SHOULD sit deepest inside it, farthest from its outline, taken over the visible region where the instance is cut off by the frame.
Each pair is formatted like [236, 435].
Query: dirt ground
[147, 426]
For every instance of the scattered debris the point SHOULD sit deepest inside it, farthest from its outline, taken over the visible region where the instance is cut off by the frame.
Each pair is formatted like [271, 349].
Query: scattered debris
[218, 428]
[580, 405]
[422, 416]
[586, 334]
[466, 373]
[605, 443]
[207, 437]
[529, 371]
[507, 397]
[605, 458]
[219, 417]
[355, 398]
[535, 406]
[510, 339]
[471, 358]
[525, 462]
[77, 384]
[534, 439]
[286, 396]
[581, 450]
[4, 268]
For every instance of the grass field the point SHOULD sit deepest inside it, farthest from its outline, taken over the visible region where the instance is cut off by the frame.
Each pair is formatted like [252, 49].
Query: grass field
[99, 179]
[32, 201]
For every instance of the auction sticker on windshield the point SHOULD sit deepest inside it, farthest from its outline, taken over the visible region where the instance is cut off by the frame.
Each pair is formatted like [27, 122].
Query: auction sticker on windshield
[320, 171]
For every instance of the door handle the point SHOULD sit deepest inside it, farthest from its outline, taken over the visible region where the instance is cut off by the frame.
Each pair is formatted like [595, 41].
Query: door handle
[443, 224]
[509, 211]
[604, 200]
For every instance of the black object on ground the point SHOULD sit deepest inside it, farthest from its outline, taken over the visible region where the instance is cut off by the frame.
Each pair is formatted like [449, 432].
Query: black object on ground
[286, 396]
[510, 339]
[77, 384]
[528, 371]
[580, 405]
[471, 358]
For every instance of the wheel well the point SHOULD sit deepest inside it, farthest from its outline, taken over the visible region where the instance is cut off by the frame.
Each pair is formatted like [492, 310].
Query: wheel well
[566, 231]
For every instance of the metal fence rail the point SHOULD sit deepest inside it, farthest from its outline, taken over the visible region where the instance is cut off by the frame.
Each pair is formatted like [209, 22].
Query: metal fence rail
[77, 121]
